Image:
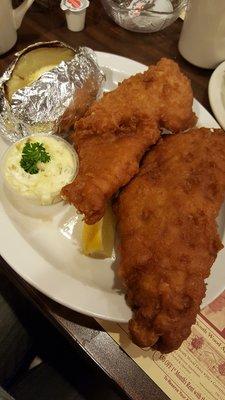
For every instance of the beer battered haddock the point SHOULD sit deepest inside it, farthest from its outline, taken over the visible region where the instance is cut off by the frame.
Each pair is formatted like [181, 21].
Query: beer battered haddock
[168, 235]
[118, 129]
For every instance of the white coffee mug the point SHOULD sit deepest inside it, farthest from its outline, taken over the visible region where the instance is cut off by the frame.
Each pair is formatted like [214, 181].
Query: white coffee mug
[202, 39]
[10, 21]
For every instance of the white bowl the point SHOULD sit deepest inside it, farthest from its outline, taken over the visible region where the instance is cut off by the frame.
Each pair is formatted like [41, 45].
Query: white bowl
[216, 92]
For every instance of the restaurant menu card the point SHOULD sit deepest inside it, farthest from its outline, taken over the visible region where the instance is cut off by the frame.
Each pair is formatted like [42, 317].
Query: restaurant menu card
[197, 369]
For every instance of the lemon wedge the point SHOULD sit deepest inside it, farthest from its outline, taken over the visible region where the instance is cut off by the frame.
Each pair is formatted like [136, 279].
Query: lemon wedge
[98, 239]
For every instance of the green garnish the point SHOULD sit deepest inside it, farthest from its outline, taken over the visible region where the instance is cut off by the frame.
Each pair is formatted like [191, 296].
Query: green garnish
[31, 155]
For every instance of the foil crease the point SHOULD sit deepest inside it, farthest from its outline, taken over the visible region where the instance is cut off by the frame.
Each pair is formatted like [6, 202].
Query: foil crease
[42, 106]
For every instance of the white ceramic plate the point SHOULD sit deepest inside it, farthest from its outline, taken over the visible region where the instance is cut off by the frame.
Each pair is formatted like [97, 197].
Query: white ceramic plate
[42, 252]
[217, 93]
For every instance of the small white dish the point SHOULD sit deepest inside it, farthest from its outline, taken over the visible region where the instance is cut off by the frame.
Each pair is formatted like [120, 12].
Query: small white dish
[216, 92]
[36, 193]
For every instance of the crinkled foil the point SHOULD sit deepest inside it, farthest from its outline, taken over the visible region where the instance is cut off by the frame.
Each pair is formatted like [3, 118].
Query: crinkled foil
[50, 104]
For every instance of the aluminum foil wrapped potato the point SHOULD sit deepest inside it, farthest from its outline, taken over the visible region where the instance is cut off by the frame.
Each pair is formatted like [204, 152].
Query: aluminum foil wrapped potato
[31, 65]
[46, 88]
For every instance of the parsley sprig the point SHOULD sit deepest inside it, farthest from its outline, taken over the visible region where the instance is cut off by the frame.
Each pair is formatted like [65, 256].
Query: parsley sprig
[33, 153]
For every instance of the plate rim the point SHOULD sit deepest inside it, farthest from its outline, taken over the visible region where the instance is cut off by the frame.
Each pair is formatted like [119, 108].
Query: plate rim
[215, 95]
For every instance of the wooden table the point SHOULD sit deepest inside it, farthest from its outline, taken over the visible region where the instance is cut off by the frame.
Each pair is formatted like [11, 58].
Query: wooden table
[104, 35]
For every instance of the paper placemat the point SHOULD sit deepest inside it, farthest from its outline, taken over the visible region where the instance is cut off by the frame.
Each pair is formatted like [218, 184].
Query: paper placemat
[194, 372]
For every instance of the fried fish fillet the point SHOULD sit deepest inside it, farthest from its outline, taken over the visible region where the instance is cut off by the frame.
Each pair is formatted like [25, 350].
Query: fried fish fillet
[168, 235]
[117, 130]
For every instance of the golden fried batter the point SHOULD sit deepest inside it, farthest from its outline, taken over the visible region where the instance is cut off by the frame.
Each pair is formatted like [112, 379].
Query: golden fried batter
[168, 235]
[117, 130]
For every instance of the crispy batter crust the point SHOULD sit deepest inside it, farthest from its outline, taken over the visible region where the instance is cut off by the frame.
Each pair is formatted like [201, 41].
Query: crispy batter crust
[168, 235]
[117, 130]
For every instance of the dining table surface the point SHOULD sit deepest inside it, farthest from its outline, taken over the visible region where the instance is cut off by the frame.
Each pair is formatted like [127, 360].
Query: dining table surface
[102, 34]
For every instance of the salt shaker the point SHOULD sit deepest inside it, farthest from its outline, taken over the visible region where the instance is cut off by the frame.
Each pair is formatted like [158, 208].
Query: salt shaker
[202, 39]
